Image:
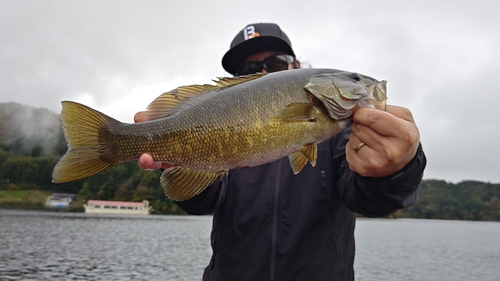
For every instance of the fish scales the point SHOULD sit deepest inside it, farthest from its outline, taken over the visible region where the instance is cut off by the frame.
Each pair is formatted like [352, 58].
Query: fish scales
[239, 122]
[210, 129]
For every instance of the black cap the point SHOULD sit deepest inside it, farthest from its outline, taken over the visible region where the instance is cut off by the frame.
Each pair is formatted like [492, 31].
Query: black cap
[255, 38]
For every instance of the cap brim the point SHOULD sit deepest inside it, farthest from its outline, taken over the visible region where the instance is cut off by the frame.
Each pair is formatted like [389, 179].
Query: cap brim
[235, 56]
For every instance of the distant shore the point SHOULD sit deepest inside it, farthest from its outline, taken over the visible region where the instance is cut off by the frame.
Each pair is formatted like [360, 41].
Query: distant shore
[30, 200]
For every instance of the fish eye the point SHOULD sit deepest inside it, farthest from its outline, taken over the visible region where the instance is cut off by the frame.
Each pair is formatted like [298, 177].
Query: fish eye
[355, 76]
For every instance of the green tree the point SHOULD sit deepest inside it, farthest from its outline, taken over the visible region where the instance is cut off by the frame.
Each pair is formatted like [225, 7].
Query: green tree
[467, 200]
[36, 151]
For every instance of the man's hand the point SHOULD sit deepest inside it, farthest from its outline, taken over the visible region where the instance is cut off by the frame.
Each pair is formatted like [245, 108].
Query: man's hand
[146, 162]
[390, 139]
[141, 116]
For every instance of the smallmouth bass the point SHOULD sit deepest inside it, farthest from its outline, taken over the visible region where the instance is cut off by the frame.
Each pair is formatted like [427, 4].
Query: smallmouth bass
[205, 130]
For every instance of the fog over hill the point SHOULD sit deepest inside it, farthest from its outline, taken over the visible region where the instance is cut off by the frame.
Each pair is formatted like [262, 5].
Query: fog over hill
[23, 128]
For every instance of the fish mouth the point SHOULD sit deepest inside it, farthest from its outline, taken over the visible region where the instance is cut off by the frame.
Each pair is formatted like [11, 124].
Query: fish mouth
[376, 94]
[343, 93]
[380, 94]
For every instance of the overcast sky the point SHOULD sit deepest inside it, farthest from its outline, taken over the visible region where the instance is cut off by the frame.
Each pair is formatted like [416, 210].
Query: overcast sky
[441, 59]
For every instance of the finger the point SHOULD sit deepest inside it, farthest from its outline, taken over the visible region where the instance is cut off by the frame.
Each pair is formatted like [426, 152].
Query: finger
[146, 162]
[355, 145]
[368, 136]
[401, 112]
[361, 163]
[166, 165]
[141, 116]
[382, 122]
[354, 142]
[368, 163]
[357, 158]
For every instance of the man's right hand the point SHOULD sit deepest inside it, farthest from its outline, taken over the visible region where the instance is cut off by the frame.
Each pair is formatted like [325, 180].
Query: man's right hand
[146, 162]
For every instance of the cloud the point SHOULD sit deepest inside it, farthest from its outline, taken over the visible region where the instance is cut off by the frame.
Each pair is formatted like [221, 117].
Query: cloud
[440, 59]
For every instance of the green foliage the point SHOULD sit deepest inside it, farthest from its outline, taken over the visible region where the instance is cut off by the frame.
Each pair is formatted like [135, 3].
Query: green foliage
[467, 200]
[128, 183]
[25, 169]
[31, 143]
[122, 183]
[23, 197]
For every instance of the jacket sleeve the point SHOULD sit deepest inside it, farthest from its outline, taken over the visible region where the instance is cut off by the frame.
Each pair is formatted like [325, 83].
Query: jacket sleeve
[375, 197]
[207, 201]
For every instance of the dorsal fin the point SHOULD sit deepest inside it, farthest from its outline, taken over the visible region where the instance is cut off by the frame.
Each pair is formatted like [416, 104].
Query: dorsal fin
[222, 82]
[163, 105]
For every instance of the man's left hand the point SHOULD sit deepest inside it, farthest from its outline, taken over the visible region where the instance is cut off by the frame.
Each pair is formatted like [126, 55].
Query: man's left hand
[391, 139]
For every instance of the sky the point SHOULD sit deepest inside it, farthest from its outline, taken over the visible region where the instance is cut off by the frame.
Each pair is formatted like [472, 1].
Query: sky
[441, 59]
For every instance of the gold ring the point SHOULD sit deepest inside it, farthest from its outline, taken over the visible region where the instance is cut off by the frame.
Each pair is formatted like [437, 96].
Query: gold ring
[359, 147]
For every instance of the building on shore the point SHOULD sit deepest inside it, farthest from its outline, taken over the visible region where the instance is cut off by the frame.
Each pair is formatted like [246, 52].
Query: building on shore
[60, 200]
[117, 207]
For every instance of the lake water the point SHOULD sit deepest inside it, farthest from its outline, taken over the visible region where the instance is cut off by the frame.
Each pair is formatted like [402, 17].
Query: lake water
[77, 246]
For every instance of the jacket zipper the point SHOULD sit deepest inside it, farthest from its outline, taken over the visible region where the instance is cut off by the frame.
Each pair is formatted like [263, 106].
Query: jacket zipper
[323, 184]
[274, 226]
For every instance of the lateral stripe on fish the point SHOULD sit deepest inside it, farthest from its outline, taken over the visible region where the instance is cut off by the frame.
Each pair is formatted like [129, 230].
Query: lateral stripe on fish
[206, 130]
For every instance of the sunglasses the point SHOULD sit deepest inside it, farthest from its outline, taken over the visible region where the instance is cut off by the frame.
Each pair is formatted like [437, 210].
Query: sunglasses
[271, 64]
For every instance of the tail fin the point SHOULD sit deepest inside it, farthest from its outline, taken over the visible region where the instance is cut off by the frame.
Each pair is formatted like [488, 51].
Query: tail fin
[88, 151]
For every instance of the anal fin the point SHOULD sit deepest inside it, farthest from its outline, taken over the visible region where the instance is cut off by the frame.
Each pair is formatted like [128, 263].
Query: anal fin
[182, 184]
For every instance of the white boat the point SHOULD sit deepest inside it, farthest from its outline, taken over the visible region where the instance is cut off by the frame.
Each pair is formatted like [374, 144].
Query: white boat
[117, 207]
[60, 200]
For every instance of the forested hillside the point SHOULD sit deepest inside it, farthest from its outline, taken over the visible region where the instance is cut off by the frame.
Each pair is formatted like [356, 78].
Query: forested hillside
[467, 200]
[31, 143]
[30, 131]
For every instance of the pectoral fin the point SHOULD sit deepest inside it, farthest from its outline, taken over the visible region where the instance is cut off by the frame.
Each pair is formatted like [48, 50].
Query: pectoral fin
[299, 159]
[299, 112]
[182, 184]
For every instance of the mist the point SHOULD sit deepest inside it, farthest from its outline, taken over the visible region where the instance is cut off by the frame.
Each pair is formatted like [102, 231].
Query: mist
[29, 130]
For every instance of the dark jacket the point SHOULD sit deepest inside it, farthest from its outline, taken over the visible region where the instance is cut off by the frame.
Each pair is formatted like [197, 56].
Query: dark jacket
[272, 225]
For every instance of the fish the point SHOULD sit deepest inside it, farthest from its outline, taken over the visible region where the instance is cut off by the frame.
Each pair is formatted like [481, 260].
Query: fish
[205, 130]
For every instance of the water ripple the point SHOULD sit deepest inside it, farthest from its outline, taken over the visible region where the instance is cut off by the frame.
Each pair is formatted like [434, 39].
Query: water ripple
[59, 246]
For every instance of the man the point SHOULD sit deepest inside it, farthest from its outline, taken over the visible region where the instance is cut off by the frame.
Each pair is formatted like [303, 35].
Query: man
[272, 225]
